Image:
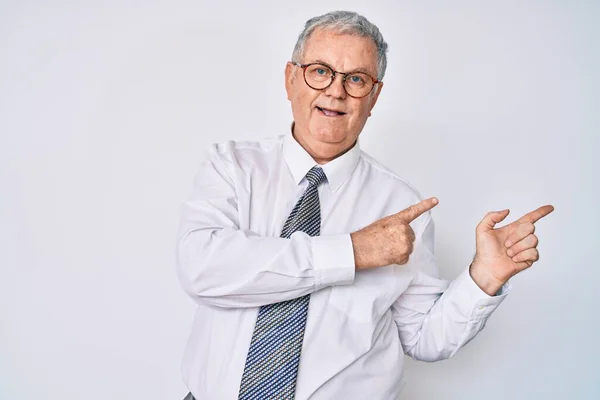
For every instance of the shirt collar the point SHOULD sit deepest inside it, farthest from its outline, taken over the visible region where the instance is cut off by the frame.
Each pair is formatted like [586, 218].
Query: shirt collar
[337, 170]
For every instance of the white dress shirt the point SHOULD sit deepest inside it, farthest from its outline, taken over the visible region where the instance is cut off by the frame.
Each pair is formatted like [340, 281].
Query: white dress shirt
[231, 260]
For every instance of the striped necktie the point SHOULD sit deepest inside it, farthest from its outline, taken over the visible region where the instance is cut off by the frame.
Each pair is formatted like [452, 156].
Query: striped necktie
[272, 361]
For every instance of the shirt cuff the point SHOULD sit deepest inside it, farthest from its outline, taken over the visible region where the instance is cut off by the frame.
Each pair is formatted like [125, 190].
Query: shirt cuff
[473, 302]
[333, 260]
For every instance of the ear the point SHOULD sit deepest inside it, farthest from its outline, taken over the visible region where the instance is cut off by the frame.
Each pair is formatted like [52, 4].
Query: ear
[375, 96]
[290, 77]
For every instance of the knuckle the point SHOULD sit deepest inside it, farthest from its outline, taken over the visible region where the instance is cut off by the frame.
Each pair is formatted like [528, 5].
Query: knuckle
[413, 212]
[391, 229]
[402, 249]
[405, 248]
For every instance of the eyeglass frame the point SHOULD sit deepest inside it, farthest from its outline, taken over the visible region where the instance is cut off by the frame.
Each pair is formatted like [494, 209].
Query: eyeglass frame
[334, 73]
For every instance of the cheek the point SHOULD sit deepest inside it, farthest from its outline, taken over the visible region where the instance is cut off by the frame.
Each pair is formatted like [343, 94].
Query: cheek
[304, 94]
[360, 114]
[300, 103]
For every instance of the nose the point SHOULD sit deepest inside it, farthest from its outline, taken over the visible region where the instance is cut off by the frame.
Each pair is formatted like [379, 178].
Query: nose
[336, 89]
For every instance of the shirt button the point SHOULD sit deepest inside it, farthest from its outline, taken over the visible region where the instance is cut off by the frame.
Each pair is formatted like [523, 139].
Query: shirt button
[481, 308]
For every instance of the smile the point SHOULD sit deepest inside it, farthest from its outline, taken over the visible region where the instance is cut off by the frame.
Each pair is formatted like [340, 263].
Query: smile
[331, 113]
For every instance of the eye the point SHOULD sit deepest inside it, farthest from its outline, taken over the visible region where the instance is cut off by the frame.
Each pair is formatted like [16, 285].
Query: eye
[356, 79]
[321, 71]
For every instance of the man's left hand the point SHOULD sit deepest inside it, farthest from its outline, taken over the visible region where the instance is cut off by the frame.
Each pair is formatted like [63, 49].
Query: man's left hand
[504, 252]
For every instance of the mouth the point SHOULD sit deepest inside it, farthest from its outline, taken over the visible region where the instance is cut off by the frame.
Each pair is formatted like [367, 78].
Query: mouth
[330, 113]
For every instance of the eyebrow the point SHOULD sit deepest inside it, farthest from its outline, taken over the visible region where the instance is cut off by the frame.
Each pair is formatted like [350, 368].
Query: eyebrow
[363, 70]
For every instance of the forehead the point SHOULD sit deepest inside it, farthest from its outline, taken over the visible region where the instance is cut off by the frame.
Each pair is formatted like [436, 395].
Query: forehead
[343, 51]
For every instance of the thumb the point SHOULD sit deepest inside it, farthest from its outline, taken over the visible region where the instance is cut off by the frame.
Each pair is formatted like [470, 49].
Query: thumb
[491, 219]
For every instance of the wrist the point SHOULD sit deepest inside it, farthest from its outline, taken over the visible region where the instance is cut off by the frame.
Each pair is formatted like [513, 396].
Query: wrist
[358, 250]
[362, 251]
[486, 281]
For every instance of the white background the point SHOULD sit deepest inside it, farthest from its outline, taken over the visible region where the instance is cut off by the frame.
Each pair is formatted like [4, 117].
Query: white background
[107, 107]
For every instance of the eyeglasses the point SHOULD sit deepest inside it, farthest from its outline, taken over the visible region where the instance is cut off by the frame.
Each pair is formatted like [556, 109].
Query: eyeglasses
[320, 76]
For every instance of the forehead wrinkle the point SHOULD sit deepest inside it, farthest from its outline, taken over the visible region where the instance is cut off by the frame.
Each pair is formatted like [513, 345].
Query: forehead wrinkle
[319, 39]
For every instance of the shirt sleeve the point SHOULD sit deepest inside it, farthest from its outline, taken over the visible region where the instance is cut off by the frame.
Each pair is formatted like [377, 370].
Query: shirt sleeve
[223, 265]
[435, 318]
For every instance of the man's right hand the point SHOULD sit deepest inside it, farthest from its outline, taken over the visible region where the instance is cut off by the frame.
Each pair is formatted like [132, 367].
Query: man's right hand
[388, 240]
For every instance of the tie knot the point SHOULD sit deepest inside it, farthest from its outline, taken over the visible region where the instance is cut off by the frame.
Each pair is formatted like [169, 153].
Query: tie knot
[315, 176]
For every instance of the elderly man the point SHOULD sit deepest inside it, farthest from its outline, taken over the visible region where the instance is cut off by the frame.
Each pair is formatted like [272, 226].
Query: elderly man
[312, 264]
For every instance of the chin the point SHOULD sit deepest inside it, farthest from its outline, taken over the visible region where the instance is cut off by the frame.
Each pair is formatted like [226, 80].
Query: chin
[328, 135]
[328, 145]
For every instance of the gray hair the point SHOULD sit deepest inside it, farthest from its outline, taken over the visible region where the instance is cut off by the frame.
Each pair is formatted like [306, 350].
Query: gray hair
[344, 22]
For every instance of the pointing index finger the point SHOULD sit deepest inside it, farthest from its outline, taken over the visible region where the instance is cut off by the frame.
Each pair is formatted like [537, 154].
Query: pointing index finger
[413, 212]
[536, 215]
